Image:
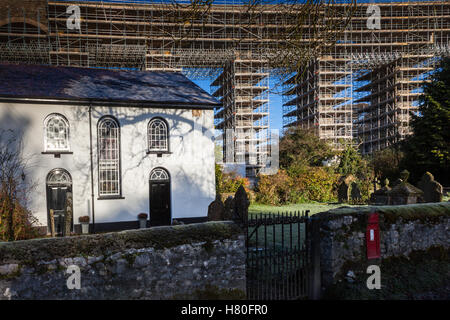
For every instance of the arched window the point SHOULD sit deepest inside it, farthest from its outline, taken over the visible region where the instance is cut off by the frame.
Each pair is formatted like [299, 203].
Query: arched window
[158, 135]
[56, 133]
[109, 157]
[59, 177]
[159, 174]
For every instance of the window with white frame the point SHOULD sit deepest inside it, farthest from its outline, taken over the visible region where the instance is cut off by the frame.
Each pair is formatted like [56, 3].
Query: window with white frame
[109, 157]
[159, 174]
[56, 133]
[158, 135]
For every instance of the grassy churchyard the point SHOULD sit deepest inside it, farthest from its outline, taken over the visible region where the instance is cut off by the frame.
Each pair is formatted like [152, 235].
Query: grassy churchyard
[290, 232]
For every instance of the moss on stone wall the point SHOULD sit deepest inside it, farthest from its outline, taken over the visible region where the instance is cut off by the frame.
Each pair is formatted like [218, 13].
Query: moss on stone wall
[406, 212]
[403, 228]
[429, 213]
[28, 251]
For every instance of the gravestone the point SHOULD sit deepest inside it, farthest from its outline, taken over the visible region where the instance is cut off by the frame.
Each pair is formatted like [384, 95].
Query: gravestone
[216, 210]
[404, 175]
[380, 197]
[344, 187]
[376, 184]
[241, 204]
[397, 182]
[343, 192]
[404, 193]
[229, 208]
[432, 190]
[355, 193]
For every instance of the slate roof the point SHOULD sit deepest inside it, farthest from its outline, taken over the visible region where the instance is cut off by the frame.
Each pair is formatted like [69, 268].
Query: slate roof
[144, 88]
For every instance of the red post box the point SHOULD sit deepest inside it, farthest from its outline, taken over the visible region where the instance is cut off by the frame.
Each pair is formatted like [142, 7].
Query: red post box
[373, 237]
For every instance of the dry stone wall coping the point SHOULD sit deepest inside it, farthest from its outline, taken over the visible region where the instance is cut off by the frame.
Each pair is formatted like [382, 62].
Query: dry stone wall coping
[47, 249]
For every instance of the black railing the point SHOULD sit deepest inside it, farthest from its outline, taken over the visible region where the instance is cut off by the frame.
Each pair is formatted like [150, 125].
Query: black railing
[277, 256]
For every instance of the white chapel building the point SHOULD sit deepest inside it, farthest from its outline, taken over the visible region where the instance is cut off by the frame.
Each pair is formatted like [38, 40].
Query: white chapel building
[121, 142]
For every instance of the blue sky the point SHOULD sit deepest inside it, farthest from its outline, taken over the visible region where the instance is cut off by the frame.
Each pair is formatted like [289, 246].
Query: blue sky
[275, 104]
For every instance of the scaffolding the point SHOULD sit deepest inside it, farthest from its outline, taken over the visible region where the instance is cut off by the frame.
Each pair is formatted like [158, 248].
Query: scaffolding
[322, 99]
[232, 46]
[242, 88]
[394, 90]
[365, 89]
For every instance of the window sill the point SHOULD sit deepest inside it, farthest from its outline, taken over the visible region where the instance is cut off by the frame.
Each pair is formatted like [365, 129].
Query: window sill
[159, 152]
[57, 154]
[110, 198]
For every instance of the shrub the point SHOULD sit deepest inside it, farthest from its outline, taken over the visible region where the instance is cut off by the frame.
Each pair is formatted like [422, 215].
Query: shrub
[22, 223]
[314, 184]
[229, 182]
[142, 215]
[274, 189]
[16, 221]
[84, 219]
[317, 184]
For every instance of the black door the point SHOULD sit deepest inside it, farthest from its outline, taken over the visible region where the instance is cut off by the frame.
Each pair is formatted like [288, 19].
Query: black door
[56, 197]
[160, 203]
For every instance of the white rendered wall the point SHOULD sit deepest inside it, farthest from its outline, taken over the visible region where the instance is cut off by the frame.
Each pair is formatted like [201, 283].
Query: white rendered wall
[190, 165]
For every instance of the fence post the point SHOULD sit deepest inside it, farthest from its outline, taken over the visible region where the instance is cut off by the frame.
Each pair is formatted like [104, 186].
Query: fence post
[314, 259]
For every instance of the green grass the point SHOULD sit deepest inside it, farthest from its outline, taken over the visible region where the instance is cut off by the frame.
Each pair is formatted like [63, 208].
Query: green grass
[290, 232]
[312, 207]
[278, 243]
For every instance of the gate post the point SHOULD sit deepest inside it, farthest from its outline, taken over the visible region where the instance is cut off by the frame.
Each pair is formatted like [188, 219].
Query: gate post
[314, 259]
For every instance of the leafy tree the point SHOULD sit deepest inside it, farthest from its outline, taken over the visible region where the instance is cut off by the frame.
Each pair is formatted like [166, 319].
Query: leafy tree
[301, 177]
[301, 148]
[386, 163]
[428, 149]
[351, 162]
[16, 221]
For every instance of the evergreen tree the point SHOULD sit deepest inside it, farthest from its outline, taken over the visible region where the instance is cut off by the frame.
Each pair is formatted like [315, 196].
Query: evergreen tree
[351, 162]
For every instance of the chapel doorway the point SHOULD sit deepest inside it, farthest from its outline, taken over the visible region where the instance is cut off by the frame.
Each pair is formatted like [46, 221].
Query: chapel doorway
[160, 209]
[59, 197]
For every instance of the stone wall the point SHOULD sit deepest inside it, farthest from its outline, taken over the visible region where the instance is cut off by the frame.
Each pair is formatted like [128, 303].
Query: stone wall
[403, 230]
[204, 260]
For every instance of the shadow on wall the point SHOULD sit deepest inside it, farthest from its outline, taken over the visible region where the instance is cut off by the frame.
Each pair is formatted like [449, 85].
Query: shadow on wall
[13, 160]
[134, 121]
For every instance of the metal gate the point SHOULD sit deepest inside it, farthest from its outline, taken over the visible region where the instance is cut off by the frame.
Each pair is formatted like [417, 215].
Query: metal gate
[278, 256]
